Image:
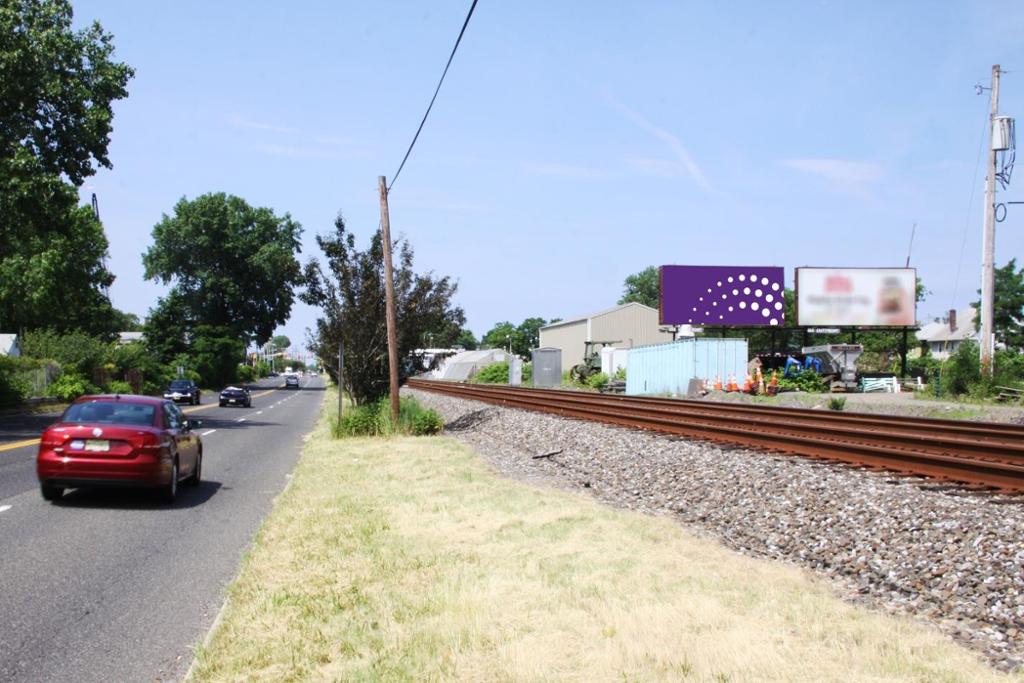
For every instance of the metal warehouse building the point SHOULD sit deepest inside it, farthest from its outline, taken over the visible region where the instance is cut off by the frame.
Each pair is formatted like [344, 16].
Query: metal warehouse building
[631, 324]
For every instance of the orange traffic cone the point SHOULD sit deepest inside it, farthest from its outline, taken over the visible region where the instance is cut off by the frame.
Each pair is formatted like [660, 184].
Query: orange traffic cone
[731, 384]
[748, 384]
[773, 385]
[718, 382]
[760, 382]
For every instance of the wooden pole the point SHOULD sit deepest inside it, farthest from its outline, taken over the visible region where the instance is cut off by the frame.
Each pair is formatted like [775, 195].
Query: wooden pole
[389, 294]
[988, 251]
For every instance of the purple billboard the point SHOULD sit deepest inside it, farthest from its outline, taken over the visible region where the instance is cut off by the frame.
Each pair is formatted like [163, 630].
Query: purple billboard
[722, 295]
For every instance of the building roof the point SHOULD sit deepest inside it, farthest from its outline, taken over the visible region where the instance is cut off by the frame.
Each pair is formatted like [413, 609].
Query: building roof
[8, 343]
[938, 331]
[128, 337]
[598, 314]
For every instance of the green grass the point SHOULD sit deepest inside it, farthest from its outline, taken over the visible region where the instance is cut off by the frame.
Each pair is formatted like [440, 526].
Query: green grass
[408, 559]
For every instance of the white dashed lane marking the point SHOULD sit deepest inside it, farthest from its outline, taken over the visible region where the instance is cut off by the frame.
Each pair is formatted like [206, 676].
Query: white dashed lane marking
[259, 412]
[241, 419]
[208, 432]
[4, 508]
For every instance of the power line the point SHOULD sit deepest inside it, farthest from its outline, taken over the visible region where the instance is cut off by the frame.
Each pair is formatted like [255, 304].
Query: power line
[436, 90]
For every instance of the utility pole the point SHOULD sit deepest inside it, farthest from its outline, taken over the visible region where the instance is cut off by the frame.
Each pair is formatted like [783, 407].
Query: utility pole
[988, 249]
[389, 295]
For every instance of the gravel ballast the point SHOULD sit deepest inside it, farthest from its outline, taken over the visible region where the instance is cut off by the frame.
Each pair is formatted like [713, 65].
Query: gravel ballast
[954, 558]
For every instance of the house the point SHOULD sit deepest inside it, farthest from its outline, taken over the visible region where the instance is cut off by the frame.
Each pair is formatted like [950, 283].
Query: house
[944, 336]
[125, 338]
[628, 325]
[9, 345]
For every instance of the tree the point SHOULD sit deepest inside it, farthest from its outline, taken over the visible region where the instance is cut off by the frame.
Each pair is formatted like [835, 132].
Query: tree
[233, 266]
[125, 322]
[57, 277]
[643, 287]
[350, 295]
[57, 88]
[529, 336]
[280, 342]
[1008, 312]
[466, 340]
[234, 273]
[502, 336]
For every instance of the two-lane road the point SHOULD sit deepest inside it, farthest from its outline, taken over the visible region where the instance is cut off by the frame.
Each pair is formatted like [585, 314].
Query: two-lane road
[110, 585]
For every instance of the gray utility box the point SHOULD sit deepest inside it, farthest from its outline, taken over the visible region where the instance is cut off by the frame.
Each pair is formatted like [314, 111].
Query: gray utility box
[547, 367]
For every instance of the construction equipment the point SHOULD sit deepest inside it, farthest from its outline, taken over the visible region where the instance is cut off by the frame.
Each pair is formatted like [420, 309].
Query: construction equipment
[591, 364]
[838, 363]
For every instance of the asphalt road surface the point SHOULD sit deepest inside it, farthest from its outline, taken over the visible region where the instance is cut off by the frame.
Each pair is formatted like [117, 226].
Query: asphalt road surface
[112, 586]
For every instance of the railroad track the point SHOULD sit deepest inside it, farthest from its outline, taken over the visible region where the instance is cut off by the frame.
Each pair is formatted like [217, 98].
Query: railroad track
[983, 456]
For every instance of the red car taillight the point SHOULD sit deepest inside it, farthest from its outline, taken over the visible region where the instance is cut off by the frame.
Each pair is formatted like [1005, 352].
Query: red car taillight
[50, 440]
[149, 443]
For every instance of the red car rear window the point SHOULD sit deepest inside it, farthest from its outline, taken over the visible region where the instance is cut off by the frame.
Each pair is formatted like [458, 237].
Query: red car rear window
[110, 412]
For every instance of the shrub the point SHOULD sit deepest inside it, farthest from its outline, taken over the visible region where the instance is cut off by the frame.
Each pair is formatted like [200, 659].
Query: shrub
[805, 380]
[837, 403]
[426, 423]
[70, 386]
[597, 381]
[495, 373]
[14, 388]
[245, 373]
[374, 419]
[77, 352]
[961, 370]
[119, 387]
[620, 375]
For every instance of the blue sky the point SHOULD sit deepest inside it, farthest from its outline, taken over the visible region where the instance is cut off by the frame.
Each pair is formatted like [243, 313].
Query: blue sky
[573, 143]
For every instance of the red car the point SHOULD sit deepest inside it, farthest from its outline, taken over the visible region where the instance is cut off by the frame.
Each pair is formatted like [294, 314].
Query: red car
[120, 440]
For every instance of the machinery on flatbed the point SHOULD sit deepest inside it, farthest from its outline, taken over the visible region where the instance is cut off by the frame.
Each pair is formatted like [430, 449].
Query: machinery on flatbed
[838, 363]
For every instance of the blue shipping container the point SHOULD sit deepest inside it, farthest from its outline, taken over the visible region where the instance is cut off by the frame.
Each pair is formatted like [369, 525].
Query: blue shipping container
[668, 368]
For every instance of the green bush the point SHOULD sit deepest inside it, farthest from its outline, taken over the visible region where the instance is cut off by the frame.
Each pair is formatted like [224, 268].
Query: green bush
[597, 381]
[374, 419]
[620, 375]
[119, 387]
[245, 373]
[805, 380]
[70, 386]
[836, 403]
[495, 373]
[961, 370]
[77, 352]
[14, 389]
[426, 423]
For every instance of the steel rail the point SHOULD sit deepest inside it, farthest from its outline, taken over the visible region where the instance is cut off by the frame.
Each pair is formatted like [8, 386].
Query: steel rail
[983, 463]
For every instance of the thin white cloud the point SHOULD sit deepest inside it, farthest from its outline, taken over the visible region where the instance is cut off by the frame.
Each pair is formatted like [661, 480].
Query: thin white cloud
[564, 171]
[333, 140]
[663, 168]
[297, 152]
[239, 122]
[837, 170]
[674, 146]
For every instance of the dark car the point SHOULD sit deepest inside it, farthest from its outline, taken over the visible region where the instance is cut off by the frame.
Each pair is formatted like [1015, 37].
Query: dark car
[235, 396]
[181, 390]
[120, 440]
[291, 382]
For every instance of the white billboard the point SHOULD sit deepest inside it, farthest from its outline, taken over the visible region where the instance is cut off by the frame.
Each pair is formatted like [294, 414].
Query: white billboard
[861, 297]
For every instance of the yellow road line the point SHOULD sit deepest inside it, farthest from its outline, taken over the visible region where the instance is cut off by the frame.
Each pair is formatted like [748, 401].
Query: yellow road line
[31, 442]
[18, 444]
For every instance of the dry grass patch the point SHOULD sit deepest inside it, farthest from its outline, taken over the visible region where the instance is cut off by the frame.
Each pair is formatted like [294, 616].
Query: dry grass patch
[407, 560]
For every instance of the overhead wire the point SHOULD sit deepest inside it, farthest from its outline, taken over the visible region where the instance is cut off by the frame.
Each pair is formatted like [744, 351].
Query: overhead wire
[436, 91]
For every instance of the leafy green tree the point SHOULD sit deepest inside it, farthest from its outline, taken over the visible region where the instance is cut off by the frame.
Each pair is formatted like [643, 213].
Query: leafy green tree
[57, 277]
[123, 321]
[280, 342]
[1008, 312]
[350, 295]
[57, 88]
[643, 287]
[528, 336]
[501, 336]
[466, 340]
[234, 271]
